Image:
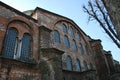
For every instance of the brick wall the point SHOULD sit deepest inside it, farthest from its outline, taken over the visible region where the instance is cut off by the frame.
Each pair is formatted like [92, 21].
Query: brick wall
[11, 68]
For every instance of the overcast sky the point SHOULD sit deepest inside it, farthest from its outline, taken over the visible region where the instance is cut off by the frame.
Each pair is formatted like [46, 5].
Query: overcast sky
[73, 10]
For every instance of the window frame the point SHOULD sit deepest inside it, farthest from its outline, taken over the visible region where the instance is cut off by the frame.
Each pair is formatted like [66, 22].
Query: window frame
[78, 65]
[81, 48]
[7, 43]
[69, 63]
[16, 52]
[64, 28]
[72, 33]
[26, 57]
[56, 37]
[66, 41]
[74, 46]
[78, 36]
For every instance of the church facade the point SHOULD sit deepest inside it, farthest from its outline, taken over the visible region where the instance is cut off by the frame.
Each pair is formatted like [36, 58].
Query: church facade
[41, 45]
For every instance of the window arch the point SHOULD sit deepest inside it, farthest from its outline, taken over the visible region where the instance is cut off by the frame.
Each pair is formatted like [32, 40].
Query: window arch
[74, 46]
[10, 43]
[71, 32]
[56, 36]
[80, 48]
[69, 63]
[85, 65]
[66, 42]
[64, 28]
[78, 66]
[26, 47]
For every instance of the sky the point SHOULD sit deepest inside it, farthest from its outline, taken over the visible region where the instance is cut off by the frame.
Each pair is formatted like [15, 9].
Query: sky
[73, 10]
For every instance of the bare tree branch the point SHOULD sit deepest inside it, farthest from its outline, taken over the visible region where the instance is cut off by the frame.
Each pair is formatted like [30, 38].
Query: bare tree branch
[106, 19]
[97, 11]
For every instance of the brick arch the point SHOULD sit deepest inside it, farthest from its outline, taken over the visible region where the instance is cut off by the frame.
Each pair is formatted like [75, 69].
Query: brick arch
[73, 25]
[21, 22]
[21, 19]
[64, 57]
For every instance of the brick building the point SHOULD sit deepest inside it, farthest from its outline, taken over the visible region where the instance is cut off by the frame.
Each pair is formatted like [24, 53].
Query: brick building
[41, 45]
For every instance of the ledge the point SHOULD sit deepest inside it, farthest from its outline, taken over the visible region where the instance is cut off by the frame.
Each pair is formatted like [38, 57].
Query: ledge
[79, 72]
[45, 28]
[52, 50]
[30, 61]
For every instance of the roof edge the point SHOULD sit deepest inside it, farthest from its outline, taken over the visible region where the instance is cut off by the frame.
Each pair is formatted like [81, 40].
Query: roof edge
[38, 8]
[17, 11]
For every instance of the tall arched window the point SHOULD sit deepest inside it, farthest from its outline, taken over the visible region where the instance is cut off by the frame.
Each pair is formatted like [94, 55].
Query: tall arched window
[74, 46]
[71, 32]
[10, 43]
[87, 50]
[85, 65]
[78, 36]
[80, 48]
[78, 66]
[64, 28]
[69, 63]
[56, 36]
[25, 49]
[66, 42]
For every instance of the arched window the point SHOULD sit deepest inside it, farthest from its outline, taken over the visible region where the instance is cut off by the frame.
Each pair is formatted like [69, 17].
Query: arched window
[66, 42]
[78, 36]
[69, 63]
[71, 32]
[25, 49]
[85, 65]
[56, 36]
[78, 66]
[80, 48]
[87, 50]
[64, 28]
[74, 47]
[10, 43]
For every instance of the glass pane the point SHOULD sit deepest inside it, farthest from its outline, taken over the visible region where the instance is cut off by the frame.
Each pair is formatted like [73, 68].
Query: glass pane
[77, 65]
[69, 63]
[71, 32]
[25, 50]
[87, 50]
[10, 42]
[64, 28]
[56, 37]
[81, 48]
[74, 46]
[66, 42]
[78, 36]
